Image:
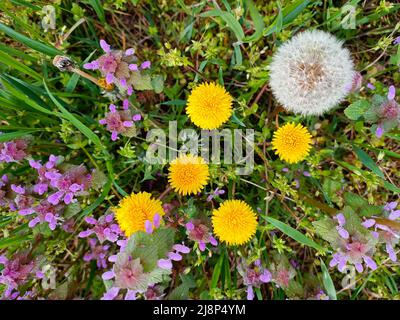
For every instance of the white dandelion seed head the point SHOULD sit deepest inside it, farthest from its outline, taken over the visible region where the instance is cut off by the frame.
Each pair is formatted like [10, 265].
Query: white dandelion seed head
[311, 73]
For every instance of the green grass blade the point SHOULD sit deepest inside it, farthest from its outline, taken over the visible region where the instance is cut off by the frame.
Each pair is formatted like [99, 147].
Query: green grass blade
[98, 8]
[15, 64]
[258, 22]
[13, 135]
[294, 234]
[35, 45]
[327, 281]
[75, 122]
[368, 162]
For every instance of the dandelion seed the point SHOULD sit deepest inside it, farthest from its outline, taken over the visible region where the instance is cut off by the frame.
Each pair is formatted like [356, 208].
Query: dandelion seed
[311, 73]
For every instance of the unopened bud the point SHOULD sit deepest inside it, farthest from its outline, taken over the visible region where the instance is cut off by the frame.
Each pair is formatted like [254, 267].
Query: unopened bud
[63, 63]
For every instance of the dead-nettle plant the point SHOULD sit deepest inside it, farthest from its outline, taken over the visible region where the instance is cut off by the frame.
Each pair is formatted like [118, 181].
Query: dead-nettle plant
[238, 146]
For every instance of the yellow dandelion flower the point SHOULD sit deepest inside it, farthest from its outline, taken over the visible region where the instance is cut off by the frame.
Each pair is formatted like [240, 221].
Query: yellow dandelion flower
[188, 174]
[292, 143]
[209, 106]
[234, 222]
[133, 211]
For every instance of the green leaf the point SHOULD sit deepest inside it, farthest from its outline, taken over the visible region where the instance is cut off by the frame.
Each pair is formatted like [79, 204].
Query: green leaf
[217, 272]
[371, 210]
[236, 120]
[74, 121]
[174, 103]
[158, 84]
[327, 281]
[11, 241]
[141, 81]
[229, 19]
[151, 247]
[15, 64]
[258, 22]
[181, 292]
[356, 109]
[26, 4]
[326, 229]
[291, 11]
[294, 234]
[35, 45]
[13, 135]
[368, 162]
[355, 201]
[18, 89]
[98, 8]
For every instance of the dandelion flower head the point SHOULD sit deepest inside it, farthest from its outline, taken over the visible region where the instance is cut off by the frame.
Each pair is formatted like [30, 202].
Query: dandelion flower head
[234, 222]
[209, 106]
[133, 211]
[311, 73]
[291, 142]
[188, 174]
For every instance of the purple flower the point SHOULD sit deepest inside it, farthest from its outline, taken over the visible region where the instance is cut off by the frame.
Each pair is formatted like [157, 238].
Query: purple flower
[104, 228]
[254, 276]
[391, 93]
[150, 226]
[128, 272]
[173, 256]
[321, 295]
[215, 193]
[379, 132]
[118, 122]
[130, 52]
[181, 248]
[46, 213]
[111, 294]
[355, 252]
[370, 86]
[396, 41]
[13, 151]
[116, 66]
[72, 183]
[356, 83]
[250, 293]
[145, 65]
[105, 46]
[16, 272]
[199, 232]
[164, 264]
[98, 253]
[340, 228]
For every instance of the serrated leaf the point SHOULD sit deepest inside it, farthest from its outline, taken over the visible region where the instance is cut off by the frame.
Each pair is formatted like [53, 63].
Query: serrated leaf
[371, 210]
[151, 247]
[158, 84]
[356, 109]
[355, 201]
[181, 292]
[141, 81]
[326, 229]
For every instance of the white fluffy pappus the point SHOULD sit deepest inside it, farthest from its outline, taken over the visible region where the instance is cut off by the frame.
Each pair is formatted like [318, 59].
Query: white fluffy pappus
[311, 73]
